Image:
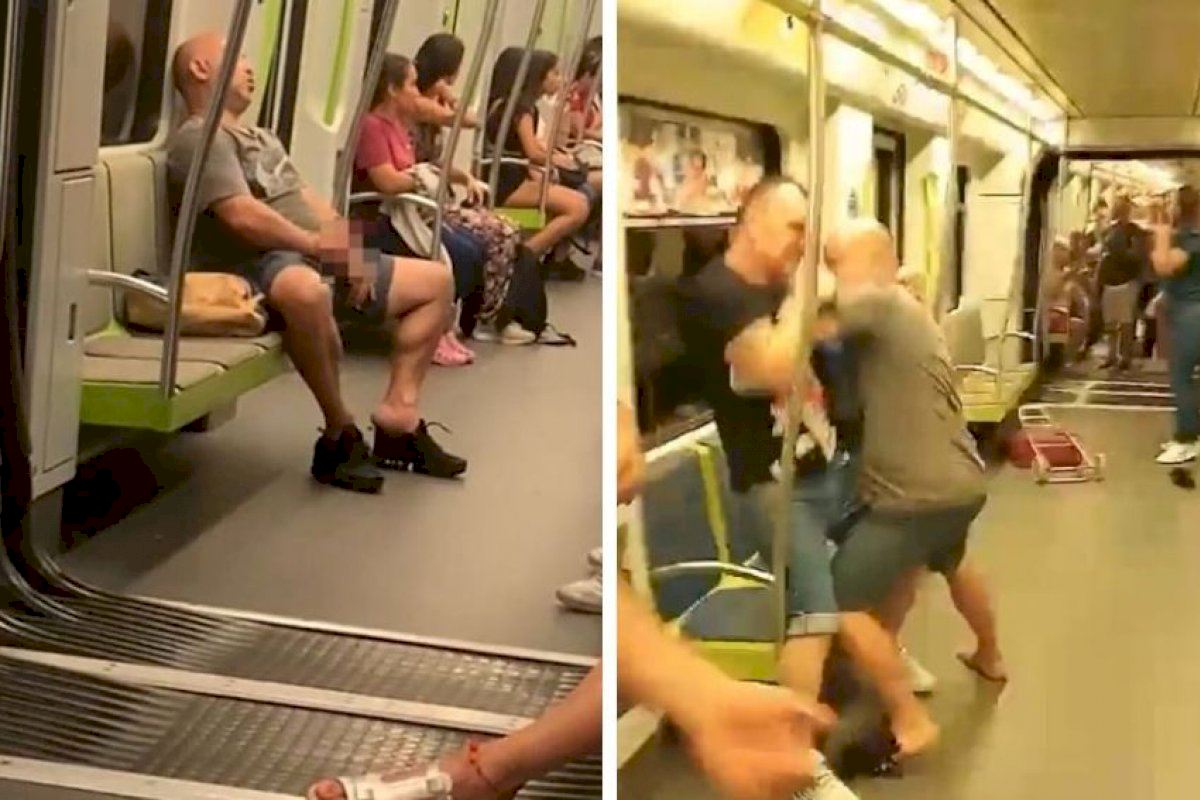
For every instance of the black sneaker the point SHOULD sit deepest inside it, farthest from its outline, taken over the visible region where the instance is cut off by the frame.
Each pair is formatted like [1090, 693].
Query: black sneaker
[344, 462]
[416, 451]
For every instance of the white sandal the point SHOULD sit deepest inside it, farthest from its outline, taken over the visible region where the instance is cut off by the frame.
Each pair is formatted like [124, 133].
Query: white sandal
[433, 785]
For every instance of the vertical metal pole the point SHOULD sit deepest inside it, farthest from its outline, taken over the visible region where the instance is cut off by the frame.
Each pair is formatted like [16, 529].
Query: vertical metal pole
[510, 107]
[479, 137]
[344, 166]
[560, 102]
[804, 292]
[947, 284]
[185, 226]
[8, 93]
[447, 163]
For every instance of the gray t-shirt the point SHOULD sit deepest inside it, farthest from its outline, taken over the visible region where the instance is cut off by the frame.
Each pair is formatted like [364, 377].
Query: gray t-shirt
[242, 160]
[917, 451]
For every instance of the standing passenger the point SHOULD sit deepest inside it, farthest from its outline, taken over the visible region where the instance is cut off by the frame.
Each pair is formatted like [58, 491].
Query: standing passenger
[1121, 268]
[1176, 258]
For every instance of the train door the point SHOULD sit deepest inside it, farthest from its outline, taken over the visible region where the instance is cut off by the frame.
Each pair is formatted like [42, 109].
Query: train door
[889, 162]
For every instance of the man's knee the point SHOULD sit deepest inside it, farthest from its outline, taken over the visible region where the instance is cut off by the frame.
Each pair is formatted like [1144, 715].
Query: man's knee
[298, 291]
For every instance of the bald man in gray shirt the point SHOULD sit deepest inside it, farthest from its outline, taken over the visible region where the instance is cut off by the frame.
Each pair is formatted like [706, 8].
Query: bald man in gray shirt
[922, 474]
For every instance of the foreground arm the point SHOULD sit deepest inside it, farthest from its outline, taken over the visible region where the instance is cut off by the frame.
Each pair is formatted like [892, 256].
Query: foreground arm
[763, 356]
[750, 740]
[1165, 257]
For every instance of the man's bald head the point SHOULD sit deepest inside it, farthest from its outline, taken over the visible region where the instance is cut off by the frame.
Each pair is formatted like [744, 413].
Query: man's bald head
[862, 251]
[196, 67]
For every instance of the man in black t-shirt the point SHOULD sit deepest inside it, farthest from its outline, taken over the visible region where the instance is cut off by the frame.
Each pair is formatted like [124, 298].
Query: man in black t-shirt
[1123, 263]
[742, 333]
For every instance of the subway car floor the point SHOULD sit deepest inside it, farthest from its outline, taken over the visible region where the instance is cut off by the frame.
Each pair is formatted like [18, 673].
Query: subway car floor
[236, 522]
[1095, 586]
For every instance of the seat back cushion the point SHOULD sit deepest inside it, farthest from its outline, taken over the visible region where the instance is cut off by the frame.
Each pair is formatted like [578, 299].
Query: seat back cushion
[677, 528]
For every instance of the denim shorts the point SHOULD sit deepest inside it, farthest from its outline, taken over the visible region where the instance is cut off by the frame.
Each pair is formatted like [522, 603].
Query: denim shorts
[885, 545]
[262, 271]
[818, 501]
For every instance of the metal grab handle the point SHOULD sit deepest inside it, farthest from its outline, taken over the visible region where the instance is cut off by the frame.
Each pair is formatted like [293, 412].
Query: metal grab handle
[684, 568]
[510, 107]
[805, 292]
[185, 226]
[119, 280]
[344, 166]
[560, 103]
[460, 114]
[383, 197]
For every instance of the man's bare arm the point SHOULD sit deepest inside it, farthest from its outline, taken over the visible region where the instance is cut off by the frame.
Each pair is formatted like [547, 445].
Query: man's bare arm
[262, 226]
[763, 356]
[1165, 257]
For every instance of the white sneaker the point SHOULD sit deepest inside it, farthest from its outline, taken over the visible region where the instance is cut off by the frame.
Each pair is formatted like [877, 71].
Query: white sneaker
[512, 334]
[595, 560]
[586, 595]
[1178, 453]
[922, 680]
[826, 785]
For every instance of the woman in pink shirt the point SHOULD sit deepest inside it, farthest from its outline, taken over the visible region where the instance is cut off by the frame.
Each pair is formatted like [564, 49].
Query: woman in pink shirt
[388, 149]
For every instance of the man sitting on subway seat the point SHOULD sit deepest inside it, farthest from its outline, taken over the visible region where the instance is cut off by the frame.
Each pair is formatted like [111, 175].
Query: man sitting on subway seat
[257, 217]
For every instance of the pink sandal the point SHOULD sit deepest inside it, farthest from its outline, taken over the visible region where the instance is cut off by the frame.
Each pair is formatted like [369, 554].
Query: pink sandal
[447, 356]
[461, 348]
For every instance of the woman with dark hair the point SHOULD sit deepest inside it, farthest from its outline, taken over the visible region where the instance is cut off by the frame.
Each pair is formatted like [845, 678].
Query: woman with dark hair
[385, 160]
[520, 186]
[438, 62]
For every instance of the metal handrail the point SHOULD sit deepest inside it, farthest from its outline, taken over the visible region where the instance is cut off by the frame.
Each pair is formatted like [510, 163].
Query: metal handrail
[447, 161]
[384, 197]
[560, 103]
[185, 225]
[344, 166]
[535, 28]
[119, 280]
[479, 135]
[685, 568]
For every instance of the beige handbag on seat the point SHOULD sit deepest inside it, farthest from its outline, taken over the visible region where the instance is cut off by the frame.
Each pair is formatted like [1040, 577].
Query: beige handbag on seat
[214, 304]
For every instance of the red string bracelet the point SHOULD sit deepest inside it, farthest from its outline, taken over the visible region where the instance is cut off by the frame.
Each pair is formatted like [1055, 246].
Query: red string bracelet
[473, 760]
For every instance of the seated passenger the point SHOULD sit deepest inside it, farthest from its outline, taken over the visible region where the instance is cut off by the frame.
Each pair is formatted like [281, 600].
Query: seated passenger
[466, 252]
[569, 208]
[583, 101]
[257, 217]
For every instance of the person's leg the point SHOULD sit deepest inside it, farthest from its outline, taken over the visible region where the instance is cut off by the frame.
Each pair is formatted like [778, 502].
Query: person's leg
[310, 337]
[811, 605]
[872, 561]
[1111, 328]
[570, 729]
[567, 209]
[969, 592]
[417, 302]
[1184, 327]
[413, 295]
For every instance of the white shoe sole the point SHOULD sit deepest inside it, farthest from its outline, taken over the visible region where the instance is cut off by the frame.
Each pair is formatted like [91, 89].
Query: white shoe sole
[1174, 462]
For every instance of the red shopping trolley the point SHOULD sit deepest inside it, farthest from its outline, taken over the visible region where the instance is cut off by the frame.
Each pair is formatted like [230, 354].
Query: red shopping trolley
[1055, 454]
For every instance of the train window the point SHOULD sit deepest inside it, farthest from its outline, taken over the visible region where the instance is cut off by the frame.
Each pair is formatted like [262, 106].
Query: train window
[674, 163]
[683, 176]
[135, 70]
[668, 404]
